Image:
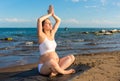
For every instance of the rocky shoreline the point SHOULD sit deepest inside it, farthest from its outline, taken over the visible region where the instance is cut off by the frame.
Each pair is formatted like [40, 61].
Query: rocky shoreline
[104, 32]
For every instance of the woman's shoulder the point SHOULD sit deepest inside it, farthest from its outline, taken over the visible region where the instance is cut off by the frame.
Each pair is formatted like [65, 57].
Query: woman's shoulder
[41, 39]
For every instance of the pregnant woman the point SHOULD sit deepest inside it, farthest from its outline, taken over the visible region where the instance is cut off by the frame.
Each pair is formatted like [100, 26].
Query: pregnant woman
[49, 62]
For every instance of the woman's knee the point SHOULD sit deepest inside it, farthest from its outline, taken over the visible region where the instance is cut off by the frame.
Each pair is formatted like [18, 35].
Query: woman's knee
[71, 57]
[52, 63]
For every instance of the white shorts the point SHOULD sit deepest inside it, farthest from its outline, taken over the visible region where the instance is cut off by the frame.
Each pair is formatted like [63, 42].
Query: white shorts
[39, 67]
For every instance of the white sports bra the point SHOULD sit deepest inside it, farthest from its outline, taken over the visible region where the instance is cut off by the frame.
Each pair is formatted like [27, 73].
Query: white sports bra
[47, 46]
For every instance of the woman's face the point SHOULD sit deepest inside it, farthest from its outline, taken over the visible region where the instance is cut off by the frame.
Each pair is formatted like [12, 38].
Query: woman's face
[47, 25]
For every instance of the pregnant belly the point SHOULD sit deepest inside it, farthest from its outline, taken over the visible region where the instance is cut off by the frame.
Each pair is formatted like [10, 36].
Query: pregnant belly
[48, 56]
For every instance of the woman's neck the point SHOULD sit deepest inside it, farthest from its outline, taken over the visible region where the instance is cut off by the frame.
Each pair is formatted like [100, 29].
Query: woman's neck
[48, 33]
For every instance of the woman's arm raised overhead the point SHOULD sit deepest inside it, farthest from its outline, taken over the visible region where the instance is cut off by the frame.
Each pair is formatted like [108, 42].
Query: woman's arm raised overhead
[57, 19]
[39, 23]
[56, 25]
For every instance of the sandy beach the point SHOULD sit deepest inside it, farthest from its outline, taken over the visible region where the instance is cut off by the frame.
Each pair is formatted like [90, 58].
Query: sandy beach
[104, 66]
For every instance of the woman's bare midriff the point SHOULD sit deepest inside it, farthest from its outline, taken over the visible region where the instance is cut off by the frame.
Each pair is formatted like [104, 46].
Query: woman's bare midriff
[48, 56]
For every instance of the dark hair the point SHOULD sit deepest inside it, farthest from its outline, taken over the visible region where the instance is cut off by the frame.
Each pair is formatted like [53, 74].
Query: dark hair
[43, 22]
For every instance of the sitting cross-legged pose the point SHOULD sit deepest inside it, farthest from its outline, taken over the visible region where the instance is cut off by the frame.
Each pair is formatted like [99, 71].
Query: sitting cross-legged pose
[49, 62]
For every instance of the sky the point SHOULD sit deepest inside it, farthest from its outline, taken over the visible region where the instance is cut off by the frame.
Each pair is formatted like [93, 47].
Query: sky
[73, 13]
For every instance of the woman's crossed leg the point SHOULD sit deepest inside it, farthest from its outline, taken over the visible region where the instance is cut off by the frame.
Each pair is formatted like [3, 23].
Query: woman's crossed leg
[53, 68]
[64, 63]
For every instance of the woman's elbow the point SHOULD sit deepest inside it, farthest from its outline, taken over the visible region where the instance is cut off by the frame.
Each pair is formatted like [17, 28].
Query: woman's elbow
[39, 20]
[59, 20]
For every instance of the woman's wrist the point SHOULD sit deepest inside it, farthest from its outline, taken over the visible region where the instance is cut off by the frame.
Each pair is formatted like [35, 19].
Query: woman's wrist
[50, 14]
[53, 15]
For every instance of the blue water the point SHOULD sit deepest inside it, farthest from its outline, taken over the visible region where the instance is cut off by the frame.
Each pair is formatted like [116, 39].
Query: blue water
[72, 41]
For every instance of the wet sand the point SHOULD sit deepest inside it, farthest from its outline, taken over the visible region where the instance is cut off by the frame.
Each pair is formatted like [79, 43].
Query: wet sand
[104, 66]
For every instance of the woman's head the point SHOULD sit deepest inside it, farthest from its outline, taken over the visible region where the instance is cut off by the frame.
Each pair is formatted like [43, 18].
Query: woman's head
[46, 24]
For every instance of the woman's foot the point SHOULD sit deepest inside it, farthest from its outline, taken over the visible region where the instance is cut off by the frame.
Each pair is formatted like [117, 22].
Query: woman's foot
[53, 74]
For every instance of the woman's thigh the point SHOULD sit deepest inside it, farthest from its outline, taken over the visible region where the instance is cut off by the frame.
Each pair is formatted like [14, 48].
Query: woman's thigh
[66, 61]
[46, 69]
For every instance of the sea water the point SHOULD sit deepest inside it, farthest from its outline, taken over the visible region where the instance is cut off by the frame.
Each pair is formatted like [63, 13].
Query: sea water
[23, 48]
